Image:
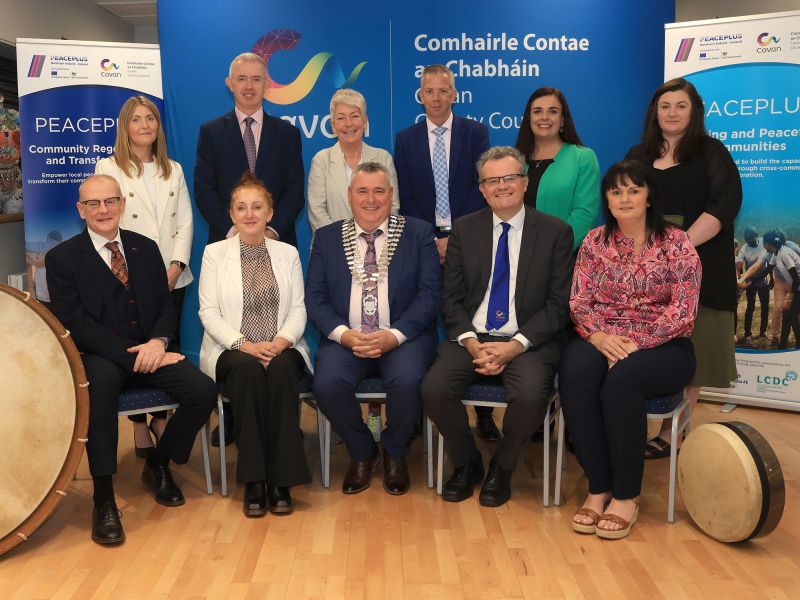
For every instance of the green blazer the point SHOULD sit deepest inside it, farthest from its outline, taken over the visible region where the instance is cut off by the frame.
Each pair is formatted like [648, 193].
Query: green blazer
[570, 190]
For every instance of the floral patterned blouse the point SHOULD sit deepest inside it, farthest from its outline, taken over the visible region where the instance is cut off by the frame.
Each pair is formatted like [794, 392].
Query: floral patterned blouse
[651, 297]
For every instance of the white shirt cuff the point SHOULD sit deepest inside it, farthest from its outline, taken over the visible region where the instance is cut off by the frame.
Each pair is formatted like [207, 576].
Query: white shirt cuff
[470, 334]
[231, 232]
[400, 337]
[526, 345]
[336, 334]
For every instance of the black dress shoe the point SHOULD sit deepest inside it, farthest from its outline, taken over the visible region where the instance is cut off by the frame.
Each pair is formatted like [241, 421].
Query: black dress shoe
[255, 499]
[165, 490]
[496, 490]
[395, 474]
[487, 430]
[280, 500]
[359, 474]
[459, 487]
[106, 526]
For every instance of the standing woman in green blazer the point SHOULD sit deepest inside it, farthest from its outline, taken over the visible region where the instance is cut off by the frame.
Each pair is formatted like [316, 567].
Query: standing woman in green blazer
[563, 175]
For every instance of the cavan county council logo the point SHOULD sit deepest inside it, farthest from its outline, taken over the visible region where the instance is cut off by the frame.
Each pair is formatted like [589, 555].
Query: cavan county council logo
[37, 62]
[684, 49]
[289, 93]
[765, 39]
[107, 65]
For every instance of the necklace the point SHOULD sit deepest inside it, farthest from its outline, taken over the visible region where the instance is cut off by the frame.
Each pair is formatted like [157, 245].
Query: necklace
[355, 260]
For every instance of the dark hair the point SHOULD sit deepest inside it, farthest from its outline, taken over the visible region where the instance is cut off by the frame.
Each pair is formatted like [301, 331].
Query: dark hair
[525, 141]
[632, 171]
[695, 134]
[250, 181]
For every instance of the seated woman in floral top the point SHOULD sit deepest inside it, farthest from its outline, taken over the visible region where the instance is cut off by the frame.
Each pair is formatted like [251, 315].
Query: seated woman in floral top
[634, 300]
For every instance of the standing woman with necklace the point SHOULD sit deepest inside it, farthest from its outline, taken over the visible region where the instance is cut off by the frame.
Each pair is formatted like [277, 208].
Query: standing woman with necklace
[563, 175]
[157, 206]
[701, 192]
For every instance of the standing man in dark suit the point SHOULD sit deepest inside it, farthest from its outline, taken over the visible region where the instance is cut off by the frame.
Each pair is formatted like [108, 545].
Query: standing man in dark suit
[506, 305]
[435, 161]
[373, 291]
[109, 289]
[249, 138]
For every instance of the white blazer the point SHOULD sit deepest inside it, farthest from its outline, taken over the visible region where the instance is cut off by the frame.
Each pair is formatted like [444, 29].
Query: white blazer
[170, 226]
[327, 184]
[221, 299]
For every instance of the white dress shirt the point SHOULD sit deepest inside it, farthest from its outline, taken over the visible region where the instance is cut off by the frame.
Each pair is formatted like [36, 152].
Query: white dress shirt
[441, 221]
[384, 316]
[514, 243]
[100, 242]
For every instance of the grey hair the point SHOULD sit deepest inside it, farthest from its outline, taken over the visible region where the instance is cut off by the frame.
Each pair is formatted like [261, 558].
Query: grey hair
[351, 97]
[370, 167]
[100, 177]
[437, 69]
[247, 57]
[499, 152]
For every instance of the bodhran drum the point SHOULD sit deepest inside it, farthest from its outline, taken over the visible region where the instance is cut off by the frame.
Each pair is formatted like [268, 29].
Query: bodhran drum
[731, 481]
[44, 414]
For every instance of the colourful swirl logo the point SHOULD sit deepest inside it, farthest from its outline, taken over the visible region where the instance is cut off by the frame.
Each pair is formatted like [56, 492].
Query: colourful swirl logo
[289, 93]
[765, 39]
[107, 65]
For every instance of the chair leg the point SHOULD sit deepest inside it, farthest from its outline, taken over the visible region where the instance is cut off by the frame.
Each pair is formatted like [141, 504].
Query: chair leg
[673, 463]
[429, 445]
[560, 459]
[223, 467]
[206, 461]
[322, 442]
[546, 452]
[440, 465]
[326, 462]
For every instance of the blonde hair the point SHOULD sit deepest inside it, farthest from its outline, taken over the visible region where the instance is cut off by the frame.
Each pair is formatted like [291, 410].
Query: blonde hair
[124, 156]
[351, 97]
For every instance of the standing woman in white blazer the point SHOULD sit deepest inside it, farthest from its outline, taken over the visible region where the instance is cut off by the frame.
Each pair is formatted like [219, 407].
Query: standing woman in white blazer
[253, 311]
[157, 206]
[331, 168]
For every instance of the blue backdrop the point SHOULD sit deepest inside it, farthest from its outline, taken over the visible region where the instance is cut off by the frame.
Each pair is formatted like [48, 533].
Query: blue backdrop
[607, 57]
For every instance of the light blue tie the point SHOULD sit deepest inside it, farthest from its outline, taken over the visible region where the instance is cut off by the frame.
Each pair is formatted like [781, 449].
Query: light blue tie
[440, 174]
[497, 311]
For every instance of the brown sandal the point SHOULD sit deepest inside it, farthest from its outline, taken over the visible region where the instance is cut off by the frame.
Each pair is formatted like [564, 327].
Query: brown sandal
[625, 526]
[585, 527]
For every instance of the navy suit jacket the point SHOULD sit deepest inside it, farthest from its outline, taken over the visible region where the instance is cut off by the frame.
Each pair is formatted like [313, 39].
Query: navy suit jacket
[221, 161]
[83, 289]
[412, 159]
[415, 282]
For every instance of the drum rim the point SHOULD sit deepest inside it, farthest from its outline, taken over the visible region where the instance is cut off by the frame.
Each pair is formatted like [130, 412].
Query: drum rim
[79, 429]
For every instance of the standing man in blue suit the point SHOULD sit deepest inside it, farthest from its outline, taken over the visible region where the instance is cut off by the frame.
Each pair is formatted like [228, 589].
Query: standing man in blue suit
[373, 291]
[249, 138]
[435, 161]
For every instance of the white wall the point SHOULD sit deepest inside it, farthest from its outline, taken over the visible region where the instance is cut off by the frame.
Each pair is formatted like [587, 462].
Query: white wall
[54, 19]
[696, 10]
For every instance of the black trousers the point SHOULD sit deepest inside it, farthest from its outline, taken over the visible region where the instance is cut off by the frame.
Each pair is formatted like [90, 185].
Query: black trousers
[266, 416]
[184, 382]
[337, 374]
[527, 380]
[763, 298]
[605, 408]
[791, 319]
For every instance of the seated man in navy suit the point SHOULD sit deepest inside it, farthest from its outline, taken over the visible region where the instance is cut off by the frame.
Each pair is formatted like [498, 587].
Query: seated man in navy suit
[109, 289]
[506, 284]
[373, 291]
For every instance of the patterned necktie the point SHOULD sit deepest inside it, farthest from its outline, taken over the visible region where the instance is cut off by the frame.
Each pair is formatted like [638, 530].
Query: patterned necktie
[118, 266]
[497, 311]
[369, 289]
[440, 175]
[250, 143]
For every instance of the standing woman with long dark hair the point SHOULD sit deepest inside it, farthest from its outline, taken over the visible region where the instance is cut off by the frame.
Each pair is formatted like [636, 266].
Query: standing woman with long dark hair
[563, 175]
[701, 192]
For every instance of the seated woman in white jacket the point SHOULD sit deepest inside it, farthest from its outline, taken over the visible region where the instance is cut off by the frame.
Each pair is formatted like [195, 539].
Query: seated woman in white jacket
[157, 206]
[252, 308]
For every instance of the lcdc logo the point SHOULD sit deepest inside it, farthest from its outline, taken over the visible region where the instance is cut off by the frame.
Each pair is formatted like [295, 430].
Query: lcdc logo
[784, 381]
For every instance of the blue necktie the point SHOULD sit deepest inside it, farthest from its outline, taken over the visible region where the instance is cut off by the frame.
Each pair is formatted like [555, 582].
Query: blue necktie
[497, 311]
[440, 175]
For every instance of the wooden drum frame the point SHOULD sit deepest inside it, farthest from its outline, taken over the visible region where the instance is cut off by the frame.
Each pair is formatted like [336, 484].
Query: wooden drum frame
[44, 414]
[731, 481]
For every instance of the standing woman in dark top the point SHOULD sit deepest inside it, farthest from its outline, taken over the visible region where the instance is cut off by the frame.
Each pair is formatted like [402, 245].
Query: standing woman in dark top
[701, 192]
[563, 175]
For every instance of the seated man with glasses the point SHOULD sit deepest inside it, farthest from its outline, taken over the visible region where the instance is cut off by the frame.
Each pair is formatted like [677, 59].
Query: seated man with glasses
[507, 277]
[109, 289]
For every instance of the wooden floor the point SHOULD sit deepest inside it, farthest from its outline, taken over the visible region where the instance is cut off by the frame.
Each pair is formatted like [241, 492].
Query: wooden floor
[373, 545]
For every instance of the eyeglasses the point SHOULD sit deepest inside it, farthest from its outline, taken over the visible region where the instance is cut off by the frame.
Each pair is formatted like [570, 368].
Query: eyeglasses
[112, 202]
[507, 179]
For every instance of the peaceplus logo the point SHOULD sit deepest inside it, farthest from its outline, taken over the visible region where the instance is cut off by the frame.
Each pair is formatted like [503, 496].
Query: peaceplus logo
[289, 93]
